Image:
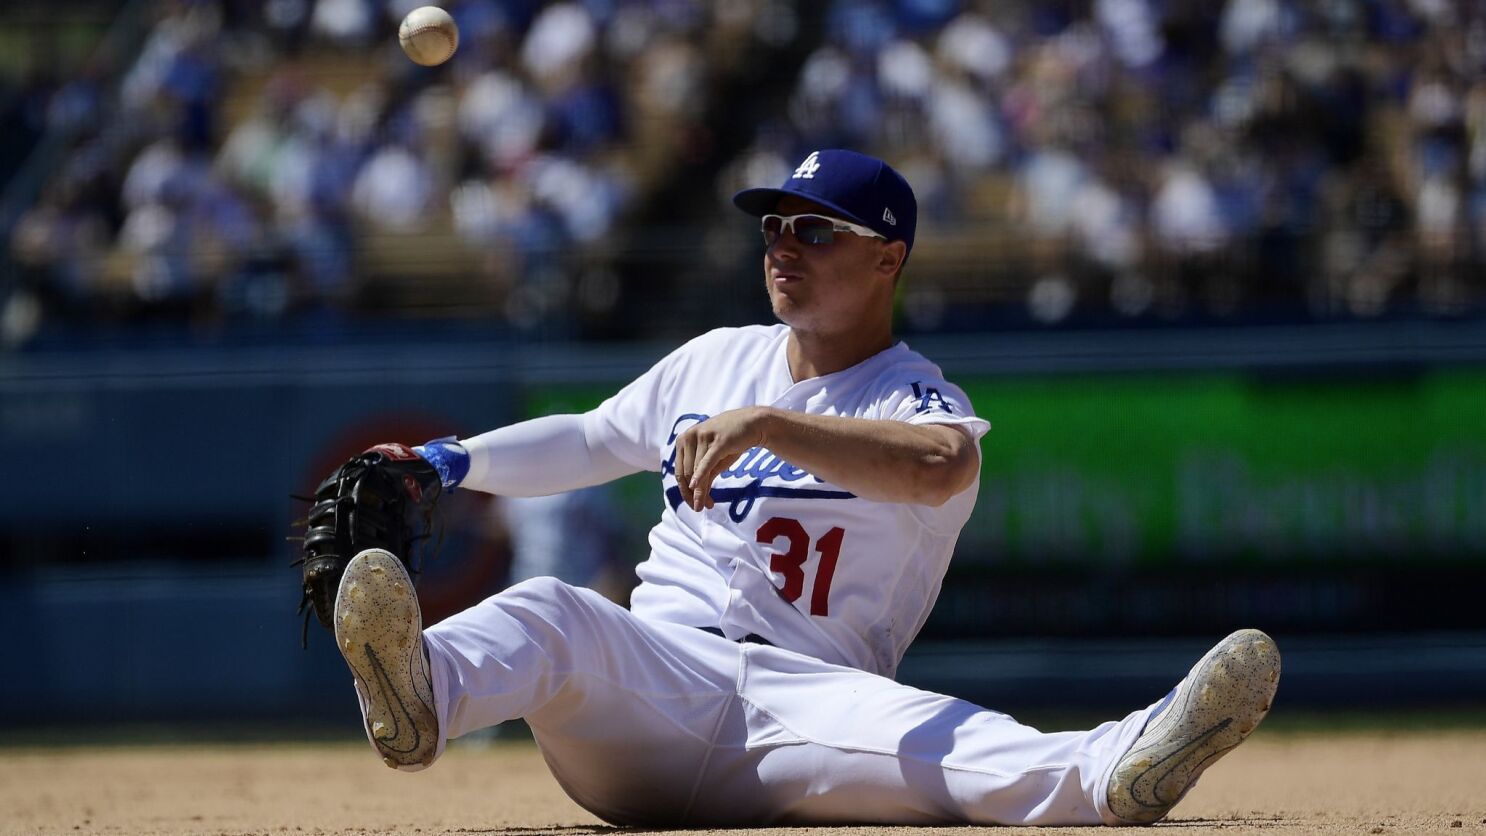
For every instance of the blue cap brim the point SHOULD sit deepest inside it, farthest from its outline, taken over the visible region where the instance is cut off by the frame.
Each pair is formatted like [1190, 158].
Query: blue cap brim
[760, 202]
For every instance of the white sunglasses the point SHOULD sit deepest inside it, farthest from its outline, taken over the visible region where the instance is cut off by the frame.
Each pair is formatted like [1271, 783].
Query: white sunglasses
[811, 229]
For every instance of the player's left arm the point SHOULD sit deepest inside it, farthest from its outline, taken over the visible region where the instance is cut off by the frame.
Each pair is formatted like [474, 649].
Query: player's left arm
[880, 460]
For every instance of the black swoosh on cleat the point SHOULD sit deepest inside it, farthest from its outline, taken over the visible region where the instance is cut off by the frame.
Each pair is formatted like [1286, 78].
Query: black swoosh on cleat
[1143, 787]
[390, 696]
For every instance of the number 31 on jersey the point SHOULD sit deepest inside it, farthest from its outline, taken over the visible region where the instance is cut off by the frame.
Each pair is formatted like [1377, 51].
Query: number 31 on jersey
[791, 562]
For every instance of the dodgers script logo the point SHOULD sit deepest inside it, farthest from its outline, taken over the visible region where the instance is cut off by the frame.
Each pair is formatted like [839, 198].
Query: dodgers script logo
[756, 465]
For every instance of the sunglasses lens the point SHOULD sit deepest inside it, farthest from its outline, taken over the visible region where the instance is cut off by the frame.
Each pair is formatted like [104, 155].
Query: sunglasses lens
[772, 225]
[814, 230]
[808, 229]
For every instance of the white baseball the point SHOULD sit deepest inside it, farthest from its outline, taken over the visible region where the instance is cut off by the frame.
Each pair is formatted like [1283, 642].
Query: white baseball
[428, 35]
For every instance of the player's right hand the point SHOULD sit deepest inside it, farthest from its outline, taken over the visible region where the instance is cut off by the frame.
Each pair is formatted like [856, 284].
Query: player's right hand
[706, 449]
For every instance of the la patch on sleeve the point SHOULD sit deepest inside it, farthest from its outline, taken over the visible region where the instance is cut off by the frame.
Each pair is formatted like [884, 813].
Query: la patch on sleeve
[929, 399]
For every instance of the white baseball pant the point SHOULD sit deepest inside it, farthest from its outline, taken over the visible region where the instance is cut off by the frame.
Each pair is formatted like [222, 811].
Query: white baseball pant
[658, 724]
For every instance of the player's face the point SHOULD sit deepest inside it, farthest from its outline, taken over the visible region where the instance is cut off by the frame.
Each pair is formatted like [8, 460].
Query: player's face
[833, 287]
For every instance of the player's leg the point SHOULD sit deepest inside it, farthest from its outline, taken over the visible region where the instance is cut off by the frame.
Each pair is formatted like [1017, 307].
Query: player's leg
[625, 711]
[813, 743]
[658, 724]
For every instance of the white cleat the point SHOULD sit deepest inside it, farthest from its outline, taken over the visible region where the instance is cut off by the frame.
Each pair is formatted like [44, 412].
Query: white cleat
[379, 630]
[1220, 702]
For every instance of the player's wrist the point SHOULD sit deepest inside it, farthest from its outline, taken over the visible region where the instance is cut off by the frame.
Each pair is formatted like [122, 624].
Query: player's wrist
[765, 422]
[449, 459]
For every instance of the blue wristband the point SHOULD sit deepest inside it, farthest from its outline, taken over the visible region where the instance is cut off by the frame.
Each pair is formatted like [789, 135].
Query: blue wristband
[448, 457]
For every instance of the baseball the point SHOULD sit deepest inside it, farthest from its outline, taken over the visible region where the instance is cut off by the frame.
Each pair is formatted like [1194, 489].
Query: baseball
[428, 35]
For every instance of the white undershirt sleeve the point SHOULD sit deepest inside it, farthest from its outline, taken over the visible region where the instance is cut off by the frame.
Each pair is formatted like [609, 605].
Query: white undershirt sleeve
[558, 453]
[541, 457]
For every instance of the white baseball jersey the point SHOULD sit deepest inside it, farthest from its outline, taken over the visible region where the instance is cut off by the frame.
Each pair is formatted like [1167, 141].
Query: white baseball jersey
[784, 554]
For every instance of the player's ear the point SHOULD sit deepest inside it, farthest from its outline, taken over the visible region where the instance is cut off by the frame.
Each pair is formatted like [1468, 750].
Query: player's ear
[891, 259]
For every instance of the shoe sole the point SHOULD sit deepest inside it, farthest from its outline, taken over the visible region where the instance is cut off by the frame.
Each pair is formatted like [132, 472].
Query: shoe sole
[379, 631]
[1219, 704]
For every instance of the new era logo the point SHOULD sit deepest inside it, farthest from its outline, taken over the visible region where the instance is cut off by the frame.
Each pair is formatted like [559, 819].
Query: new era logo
[887, 215]
[807, 169]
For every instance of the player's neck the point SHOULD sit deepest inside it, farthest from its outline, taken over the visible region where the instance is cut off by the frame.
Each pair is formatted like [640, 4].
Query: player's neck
[815, 355]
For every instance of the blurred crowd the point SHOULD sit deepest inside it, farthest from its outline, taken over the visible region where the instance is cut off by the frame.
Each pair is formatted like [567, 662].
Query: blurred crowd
[259, 158]
[1128, 158]
[1159, 158]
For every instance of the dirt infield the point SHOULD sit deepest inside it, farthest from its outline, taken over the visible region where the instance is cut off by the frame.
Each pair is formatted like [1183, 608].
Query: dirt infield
[1284, 783]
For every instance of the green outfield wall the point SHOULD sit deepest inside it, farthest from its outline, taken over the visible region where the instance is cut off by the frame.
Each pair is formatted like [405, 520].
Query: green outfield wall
[1231, 468]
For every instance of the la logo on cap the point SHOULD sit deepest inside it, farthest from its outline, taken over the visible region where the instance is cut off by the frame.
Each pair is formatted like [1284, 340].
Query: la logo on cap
[807, 169]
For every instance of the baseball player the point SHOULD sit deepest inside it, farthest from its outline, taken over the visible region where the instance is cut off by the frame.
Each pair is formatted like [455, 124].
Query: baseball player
[814, 477]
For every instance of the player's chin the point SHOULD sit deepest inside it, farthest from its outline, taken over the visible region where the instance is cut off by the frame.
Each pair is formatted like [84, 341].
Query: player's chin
[787, 309]
[788, 298]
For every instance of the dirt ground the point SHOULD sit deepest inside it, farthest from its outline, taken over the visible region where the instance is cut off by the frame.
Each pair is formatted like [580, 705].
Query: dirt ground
[1287, 783]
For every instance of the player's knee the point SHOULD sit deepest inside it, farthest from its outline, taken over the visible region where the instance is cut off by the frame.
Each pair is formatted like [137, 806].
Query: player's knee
[546, 598]
[547, 605]
[540, 588]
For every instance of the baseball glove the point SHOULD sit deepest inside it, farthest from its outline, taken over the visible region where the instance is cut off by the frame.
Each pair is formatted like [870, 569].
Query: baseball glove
[381, 499]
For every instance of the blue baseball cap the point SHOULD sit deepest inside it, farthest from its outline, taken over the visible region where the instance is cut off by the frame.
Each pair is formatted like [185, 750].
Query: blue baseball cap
[861, 189]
